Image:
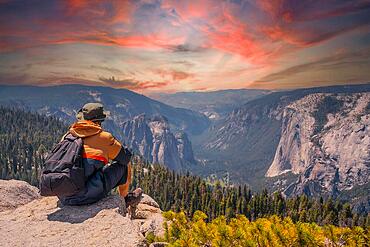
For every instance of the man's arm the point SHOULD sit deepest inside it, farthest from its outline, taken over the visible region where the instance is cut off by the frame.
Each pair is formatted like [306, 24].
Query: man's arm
[123, 189]
[123, 158]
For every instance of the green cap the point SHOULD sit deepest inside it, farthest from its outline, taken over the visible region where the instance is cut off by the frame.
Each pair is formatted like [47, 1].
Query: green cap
[92, 112]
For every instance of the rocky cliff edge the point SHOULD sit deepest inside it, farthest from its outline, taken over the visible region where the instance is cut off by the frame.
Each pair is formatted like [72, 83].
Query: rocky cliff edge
[26, 219]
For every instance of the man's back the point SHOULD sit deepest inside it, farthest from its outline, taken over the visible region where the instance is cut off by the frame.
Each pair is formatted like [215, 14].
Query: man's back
[100, 147]
[98, 144]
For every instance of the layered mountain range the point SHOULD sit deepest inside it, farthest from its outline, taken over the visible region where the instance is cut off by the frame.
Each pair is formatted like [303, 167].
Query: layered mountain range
[215, 104]
[120, 104]
[160, 137]
[313, 141]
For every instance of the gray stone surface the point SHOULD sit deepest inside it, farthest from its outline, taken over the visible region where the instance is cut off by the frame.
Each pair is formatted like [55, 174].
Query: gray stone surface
[14, 193]
[44, 222]
[332, 160]
[153, 139]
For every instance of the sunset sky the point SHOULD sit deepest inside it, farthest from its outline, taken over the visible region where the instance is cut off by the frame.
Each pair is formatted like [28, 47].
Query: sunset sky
[168, 46]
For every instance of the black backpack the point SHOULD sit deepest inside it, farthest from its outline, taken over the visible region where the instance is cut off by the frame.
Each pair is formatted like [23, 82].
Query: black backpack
[63, 172]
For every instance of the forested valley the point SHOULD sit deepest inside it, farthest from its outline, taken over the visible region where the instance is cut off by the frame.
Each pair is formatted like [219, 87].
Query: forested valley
[26, 137]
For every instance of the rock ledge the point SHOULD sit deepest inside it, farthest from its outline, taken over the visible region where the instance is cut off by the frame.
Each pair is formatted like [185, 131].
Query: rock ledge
[43, 222]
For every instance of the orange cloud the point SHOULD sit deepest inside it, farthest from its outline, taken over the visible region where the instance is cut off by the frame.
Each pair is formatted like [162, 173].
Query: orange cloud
[92, 9]
[132, 84]
[175, 75]
[338, 65]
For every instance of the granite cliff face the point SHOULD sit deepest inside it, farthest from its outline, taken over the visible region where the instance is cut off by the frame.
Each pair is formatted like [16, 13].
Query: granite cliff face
[325, 139]
[313, 141]
[152, 138]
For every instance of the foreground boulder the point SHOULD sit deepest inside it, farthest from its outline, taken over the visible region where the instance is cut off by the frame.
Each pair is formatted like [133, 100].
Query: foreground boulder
[14, 193]
[44, 222]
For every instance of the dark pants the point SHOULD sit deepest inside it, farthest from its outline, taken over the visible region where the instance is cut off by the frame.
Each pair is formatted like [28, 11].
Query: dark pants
[99, 184]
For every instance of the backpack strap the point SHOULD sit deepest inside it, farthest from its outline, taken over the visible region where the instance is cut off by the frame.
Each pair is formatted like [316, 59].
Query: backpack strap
[70, 137]
[64, 136]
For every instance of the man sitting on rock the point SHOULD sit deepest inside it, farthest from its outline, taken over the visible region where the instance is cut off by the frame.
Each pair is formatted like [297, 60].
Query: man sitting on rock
[99, 148]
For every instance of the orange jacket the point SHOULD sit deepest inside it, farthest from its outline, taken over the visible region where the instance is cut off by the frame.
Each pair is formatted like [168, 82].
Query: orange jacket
[99, 145]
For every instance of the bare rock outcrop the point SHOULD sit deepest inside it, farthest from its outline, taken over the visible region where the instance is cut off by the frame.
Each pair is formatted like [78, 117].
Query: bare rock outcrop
[44, 222]
[294, 151]
[14, 193]
[149, 217]
[325, 139]
[153, 139]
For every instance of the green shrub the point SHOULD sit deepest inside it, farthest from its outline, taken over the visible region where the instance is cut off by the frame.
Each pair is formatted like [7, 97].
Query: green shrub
[271, 231]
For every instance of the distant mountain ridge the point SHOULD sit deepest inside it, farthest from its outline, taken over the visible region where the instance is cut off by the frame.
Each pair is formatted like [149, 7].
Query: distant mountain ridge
[121, 104]
[214, 104]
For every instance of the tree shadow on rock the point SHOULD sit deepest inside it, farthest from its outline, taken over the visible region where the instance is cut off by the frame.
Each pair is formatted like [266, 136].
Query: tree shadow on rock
[78, 214]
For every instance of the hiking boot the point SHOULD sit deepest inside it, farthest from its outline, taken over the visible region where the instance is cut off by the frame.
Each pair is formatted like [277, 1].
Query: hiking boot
[122, 208]
[132, 200]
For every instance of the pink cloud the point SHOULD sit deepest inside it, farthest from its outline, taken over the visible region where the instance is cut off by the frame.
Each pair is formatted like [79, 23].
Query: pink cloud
[258, 33]
[217, 26]
[191, 9]
[298, 24]
[232, 36]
